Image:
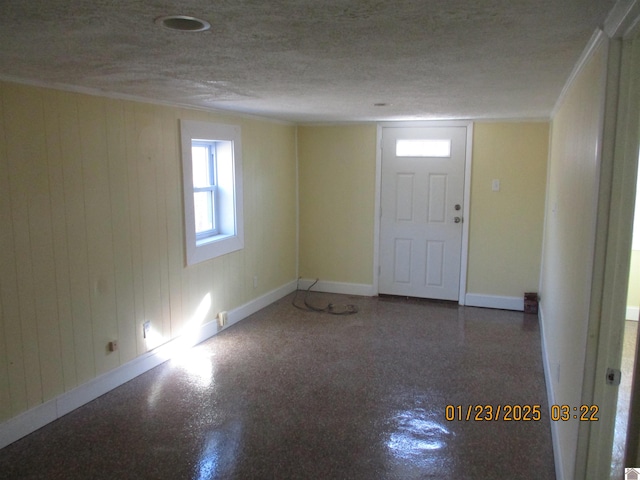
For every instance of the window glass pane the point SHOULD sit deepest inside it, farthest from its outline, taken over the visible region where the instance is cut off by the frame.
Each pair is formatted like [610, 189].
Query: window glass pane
[201, 165]
[423, 148]
[203, 210]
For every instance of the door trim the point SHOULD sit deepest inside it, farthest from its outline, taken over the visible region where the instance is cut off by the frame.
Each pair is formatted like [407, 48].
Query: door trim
[464, 254]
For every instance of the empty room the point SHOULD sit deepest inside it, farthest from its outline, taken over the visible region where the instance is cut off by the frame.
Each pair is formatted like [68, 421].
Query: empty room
[295, 239]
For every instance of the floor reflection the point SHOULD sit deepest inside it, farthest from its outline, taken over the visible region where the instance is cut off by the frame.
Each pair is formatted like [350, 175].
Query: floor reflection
[219, 453]
[414, 442]
[198, 364]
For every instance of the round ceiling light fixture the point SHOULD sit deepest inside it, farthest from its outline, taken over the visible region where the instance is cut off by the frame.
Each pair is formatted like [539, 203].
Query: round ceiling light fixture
[183, 23]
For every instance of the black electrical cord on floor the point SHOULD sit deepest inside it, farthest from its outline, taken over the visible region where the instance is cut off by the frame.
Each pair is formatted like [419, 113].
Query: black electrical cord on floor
[330, 308]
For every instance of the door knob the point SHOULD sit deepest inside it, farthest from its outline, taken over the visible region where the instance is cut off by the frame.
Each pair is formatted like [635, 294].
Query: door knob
[457, 207]
[457, 219]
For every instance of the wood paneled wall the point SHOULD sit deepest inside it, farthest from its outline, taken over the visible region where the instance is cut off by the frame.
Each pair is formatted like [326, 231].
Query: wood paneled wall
[91, 234]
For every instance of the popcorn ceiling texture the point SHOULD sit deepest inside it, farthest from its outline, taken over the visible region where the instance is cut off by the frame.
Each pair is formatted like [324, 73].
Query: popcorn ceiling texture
[304, 60]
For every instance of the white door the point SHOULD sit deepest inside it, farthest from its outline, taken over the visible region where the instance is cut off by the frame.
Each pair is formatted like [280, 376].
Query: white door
[421, 199]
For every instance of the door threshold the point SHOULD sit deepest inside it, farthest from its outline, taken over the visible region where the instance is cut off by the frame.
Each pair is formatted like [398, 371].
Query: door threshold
[386, 297]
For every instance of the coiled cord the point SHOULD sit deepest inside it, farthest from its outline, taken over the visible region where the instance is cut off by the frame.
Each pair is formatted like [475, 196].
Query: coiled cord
[331, 309]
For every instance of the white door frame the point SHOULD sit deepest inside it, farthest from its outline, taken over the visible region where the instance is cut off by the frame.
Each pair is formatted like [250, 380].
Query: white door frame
[613, 243]
[466, 202]
[608, 308]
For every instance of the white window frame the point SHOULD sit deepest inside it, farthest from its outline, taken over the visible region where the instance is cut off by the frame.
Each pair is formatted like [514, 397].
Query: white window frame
[228, 233]
[211, 188]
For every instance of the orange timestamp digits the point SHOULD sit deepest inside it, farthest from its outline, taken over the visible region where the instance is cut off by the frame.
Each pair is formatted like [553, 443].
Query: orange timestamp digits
[584, 413]
[491, 413]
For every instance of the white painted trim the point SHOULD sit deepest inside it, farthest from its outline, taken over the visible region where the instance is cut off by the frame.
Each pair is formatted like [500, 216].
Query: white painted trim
[381, 122]
[377, 212]
[494, 301]
[466, 208]
[361, 289]
[31, 420]
[632, 313]
[426, 123]
[257, 304]
[551, 397]
[510, 120]
[464, 253]
[229, 217]
[597, 37]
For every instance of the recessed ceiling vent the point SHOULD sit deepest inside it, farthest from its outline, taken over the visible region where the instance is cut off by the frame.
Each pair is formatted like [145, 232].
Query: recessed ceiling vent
[183, 23]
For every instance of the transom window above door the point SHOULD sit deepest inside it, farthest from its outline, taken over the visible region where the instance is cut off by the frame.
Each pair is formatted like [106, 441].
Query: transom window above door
[423, 148]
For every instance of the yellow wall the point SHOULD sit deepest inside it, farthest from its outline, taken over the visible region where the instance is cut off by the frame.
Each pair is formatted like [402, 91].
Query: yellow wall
[91, 236]
[633, 294]
[337, 169]
[337, 198]
[569, 241]
[92, 239]
[505, 233]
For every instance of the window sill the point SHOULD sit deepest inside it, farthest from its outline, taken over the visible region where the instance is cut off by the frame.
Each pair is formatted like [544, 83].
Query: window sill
[213, 239]
[212, 247]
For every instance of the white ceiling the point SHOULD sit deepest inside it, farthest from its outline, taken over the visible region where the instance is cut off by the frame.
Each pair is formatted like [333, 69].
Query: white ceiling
[309, 60]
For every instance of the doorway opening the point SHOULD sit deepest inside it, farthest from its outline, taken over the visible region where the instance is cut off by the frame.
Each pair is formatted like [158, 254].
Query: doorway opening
[629, 346]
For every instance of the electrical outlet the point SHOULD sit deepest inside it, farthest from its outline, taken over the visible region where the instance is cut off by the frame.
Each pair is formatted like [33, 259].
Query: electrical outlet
[113, 346]
[255, 282]
[146, 329]
[222, 319]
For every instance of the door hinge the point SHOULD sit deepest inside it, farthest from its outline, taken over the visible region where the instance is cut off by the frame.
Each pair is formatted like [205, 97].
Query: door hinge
[613, 376]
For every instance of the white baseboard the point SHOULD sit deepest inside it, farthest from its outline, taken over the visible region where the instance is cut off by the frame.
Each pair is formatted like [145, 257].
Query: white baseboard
[361, 289]
[632, 313]
[37, 417]
[494, 301]
[551, 398]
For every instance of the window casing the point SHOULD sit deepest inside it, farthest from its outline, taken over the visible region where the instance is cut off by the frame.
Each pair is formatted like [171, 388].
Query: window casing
[212, 187]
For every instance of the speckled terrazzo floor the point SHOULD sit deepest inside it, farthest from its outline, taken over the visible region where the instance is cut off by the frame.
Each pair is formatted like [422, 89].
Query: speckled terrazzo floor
[287, 394]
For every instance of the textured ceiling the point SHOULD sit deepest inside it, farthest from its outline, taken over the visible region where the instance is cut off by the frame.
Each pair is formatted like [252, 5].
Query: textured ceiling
[309, 60]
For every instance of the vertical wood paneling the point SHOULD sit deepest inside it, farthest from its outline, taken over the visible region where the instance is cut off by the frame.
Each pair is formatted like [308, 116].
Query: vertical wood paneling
[93, 141]
[5, 396]
[92, 240]
[174, 223]
[217, 283]
[43, 262]
[250, 232]
[281, 188]
[25, 110]
[10, 349]
[147, 153]
[79, 279]
[163, 245]
[234, 273]
[134, 209]
[121, 236]
[52, 106]
[255, 173]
